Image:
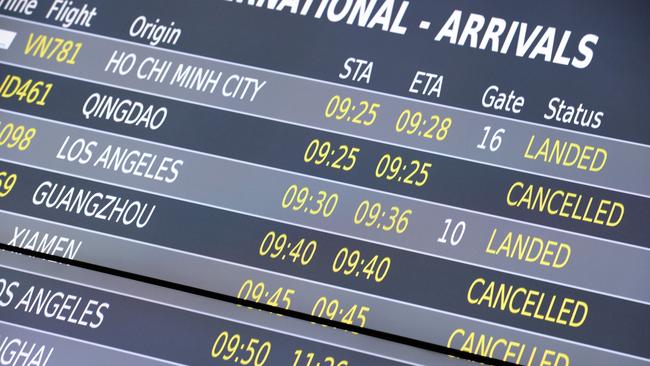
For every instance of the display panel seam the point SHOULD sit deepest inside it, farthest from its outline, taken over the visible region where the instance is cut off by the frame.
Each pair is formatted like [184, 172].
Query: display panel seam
[165, 304]
[371, 295]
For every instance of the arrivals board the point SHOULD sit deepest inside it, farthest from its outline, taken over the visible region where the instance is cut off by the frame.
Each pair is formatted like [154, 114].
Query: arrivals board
[465, 174]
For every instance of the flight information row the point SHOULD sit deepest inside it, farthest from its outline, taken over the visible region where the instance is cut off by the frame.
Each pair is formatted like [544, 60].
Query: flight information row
[53, 315]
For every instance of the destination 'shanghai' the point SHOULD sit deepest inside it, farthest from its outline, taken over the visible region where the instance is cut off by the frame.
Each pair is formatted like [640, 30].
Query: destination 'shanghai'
[473, 30]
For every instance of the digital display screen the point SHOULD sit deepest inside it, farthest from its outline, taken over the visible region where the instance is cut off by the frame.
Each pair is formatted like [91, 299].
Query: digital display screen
[462, 175]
